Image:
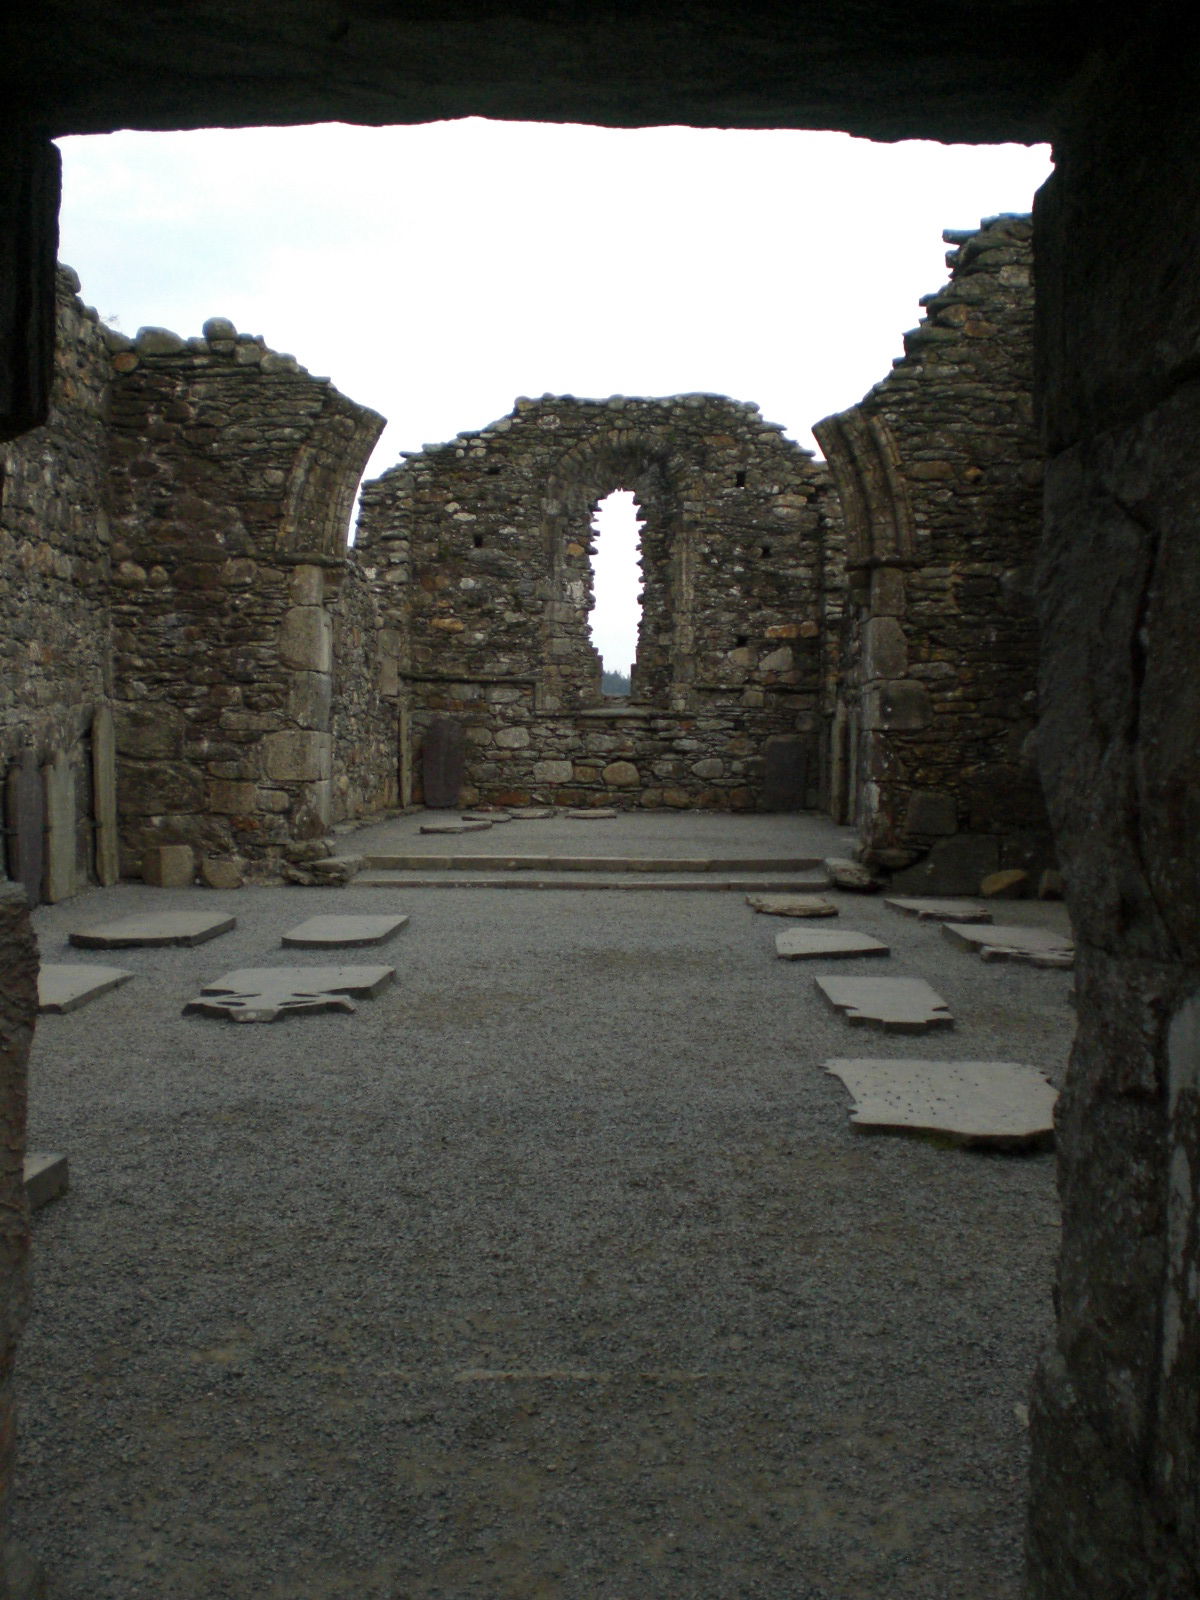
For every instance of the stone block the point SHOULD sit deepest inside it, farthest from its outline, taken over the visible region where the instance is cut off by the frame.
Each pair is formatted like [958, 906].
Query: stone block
[928, 811]
[223, 872]
[104, 793]
[895, 1005]
[621, 775]
[887, 592]
[230, 799]
[885, 648]
[852, 875]
[1010, 885]
[310, 697]
[901, 706]
[47, 1177]
[552, 772]
[999, 1103]
[816, 944]
[792, 905]
[306, 639]
[954, 866]
[154, 928]
[61, 878]
[297, 756]
[306, 586]
[512, 738]
[67, 985]
[169, 866]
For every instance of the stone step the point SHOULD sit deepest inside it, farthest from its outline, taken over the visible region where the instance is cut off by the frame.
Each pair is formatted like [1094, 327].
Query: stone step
[421, 861]
[706, 883]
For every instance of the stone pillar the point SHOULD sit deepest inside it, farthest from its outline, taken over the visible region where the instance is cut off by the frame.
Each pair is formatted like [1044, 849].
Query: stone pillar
[1116, 1409]
[18, 1008]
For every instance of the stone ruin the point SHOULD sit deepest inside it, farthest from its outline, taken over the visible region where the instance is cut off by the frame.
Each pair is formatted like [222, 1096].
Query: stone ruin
[203, 675]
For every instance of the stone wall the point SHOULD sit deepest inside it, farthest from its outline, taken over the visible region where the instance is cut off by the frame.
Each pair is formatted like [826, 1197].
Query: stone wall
[939, 470]
[480, 553]
[365, 717]
[55, 635]
[231, 479]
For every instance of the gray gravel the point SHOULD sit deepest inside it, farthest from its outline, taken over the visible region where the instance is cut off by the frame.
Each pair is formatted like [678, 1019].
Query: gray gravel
[555, 1272]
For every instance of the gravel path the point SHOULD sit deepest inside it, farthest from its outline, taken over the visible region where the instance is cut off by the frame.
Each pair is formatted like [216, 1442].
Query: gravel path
[555, 1272]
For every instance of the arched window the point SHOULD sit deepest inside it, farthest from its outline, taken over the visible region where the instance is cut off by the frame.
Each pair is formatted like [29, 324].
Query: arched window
[616, 610]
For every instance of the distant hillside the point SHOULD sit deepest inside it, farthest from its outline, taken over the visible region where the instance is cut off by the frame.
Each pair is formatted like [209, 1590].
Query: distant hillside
[614, 683]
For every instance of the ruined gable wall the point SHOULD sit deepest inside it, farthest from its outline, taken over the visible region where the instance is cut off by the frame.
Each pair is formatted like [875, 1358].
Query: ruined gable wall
[481, 554]
[940, 472]
[55, 642]
[231, 481]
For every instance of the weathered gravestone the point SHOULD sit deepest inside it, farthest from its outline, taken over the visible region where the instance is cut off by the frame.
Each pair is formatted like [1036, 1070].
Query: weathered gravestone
[24, 826]
[443, 763]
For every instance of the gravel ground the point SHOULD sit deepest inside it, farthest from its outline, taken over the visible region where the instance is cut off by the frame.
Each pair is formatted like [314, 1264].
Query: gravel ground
[555, 1272]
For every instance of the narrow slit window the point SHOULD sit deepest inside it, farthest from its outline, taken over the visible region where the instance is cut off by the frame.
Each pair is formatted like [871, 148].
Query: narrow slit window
[616, 613]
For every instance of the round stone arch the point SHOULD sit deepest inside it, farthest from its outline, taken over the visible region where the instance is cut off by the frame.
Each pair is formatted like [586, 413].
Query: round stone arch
[644, 461]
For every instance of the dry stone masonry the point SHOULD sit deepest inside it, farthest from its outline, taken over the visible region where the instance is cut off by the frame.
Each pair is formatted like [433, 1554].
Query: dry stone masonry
[480, 550]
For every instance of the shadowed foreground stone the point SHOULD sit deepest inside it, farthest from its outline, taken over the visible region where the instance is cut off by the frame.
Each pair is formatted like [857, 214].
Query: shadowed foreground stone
[1040, 947]
[65, 986]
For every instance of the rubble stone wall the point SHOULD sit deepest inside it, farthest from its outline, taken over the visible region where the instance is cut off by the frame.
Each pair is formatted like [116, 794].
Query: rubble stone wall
[480, 552]
[55, 635]
[940, 474]
[365, 717]
[231, 480]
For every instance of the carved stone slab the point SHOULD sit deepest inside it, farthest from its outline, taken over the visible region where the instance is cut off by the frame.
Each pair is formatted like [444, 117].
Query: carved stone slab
[61, 873]
[971, 1102]
[67, 985]
[896, 1005]
[443, 763]
[457, 825]
[46, 1177]
[941, 910]
[331, 932]
[811, 944]
[264, 994]
[792, 905]
[1039, 947]
[154, 928]
[24, 823]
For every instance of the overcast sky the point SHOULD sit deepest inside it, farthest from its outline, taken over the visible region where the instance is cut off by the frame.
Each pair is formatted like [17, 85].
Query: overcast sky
[436, 272]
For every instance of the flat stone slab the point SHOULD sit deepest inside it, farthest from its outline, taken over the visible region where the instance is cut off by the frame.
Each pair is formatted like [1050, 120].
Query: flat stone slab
[792, 905]
[941, 910]
[593, 814]
[811, 944]
[264, 994]
[459, 825]
[1038, 947]
[328, 933]
[896, 1005]
[46, 1177]
[154, 928]
[970, 1102]
[530, 813]
[67, 985]
[486, 816]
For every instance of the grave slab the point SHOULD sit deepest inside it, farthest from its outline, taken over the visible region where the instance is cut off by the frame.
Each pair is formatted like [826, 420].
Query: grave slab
[792, 905]
[46, 1178]
[593, 814]
[895, 1005]
[1000, 1103]
[941, 910]
[530, 813]
[458, 825]
[154, 928]
[264, 994]
[1038, 947]
[67, 985]
[811, 944]
[486, 816]
[330, 932]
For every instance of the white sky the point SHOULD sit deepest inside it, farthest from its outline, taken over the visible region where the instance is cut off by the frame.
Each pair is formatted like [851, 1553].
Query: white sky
[436, 272]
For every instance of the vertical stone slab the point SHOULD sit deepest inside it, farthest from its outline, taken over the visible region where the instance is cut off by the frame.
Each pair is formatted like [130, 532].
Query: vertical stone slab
[60, 875]
[24, 813]
[18, 1009]
[443, 763]
[104, 792]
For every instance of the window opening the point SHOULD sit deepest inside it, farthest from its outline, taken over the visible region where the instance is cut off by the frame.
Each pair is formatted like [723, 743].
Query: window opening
[616, 612]
[740, 481]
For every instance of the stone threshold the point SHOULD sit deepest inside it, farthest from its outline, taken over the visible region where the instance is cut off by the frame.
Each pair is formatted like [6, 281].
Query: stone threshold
[421, 862]
[589, 881]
